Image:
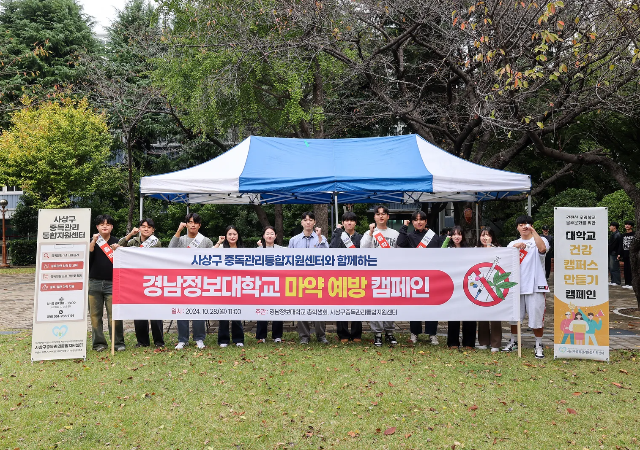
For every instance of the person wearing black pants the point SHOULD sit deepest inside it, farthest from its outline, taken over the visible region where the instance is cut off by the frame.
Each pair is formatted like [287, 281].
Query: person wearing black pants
[468, 328]
[340, 239]
[231, 239]
[627, 239]
[277, 327]
[420, 237]
[143, 236]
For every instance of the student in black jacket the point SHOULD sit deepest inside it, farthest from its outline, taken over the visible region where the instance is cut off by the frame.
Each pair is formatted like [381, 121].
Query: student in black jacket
[347, 238]
[420, 237]
[615, 244]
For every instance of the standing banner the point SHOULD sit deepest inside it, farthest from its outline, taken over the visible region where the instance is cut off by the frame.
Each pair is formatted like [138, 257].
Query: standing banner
[581, 300]
[316, 284]
[62, 283]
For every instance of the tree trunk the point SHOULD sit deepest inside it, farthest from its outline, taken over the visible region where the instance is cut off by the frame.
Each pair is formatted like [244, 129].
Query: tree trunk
[132, 195]
[322, 218]
[279, 223]
[634, 258]
[262, 215]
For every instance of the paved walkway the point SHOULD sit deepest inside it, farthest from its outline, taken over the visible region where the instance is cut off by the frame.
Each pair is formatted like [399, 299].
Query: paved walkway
[16, 313]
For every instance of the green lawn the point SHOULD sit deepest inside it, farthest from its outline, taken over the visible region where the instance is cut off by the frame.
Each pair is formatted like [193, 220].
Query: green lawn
[17, 270]
[316, 397]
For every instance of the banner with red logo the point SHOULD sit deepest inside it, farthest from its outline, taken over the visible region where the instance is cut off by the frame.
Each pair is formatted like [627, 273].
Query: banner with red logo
[316, 284]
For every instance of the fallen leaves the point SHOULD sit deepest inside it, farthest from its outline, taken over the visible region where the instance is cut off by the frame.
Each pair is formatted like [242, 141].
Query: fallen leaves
[390, 431]
[572, 411]
[473, 408]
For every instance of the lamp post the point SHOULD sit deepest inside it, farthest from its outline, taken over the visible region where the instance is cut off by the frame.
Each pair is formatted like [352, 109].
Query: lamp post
[3, 204]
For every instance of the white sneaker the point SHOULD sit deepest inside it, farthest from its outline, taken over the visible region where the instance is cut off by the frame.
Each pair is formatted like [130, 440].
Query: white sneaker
[481, 347]
[261, 341]
[627, 286]
[180, 345]
[224, 345]
[277, 340]
[434, 340]
[539, 352]
[414, 338]
[239, 344]
[495, 349]
[200, 344]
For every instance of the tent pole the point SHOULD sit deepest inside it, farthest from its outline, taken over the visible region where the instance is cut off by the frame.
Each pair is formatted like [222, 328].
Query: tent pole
[477, 225]
[187, 209]
[529, 204]
[335, 197]
[141, 197]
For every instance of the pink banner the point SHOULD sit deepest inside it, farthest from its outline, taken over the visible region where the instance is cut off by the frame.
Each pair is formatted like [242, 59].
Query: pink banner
[301, 284]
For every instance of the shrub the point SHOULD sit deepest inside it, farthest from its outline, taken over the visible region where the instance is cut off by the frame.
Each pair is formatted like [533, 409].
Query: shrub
[23, 252]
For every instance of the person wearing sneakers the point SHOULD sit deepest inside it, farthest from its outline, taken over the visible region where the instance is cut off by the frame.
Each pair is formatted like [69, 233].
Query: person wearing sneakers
[533, 284]
[231, 239]
[347, 238]
[310, 238]
[142, 236]
[101, 285]
[420, 237]
[268, 241]
[381, 236]
[615, 244]
[193, 239]
[627, 239]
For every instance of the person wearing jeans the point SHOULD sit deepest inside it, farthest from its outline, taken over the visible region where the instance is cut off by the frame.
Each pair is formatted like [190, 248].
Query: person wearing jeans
[193, 239]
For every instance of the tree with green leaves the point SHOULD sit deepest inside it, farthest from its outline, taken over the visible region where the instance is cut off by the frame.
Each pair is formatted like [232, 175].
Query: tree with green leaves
[54, 150]
[42, 41]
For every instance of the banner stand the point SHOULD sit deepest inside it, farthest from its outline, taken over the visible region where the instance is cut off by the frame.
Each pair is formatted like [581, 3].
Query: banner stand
[519, 340]
[113, 334]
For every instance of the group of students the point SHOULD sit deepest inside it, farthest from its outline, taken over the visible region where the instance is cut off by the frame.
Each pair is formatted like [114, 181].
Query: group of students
[532, 249]
[619, 250]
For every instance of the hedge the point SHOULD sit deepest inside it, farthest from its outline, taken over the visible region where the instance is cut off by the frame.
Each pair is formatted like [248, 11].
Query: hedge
[23, 252]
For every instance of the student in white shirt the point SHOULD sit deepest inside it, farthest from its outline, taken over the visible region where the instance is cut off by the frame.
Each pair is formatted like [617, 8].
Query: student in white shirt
[533, 284]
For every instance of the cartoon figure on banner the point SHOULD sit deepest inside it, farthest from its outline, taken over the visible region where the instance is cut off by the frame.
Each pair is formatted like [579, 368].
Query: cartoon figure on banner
[579, 328]
[592, 326]
[564, 327]
[487, 284]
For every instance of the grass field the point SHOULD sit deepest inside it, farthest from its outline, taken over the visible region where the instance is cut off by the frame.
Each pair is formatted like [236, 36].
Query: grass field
[347, 396]
[17, 270]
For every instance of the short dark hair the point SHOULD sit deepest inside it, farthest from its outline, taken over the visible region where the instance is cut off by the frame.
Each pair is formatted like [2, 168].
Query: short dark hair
[349, 215]
[615, 224]
[102, 218]
[524, 219]
[590, 314]
[195, 216]
[384, 209]
[492, 234]
[149, 221]
[308, 214]
[417, 215]
[629, 222]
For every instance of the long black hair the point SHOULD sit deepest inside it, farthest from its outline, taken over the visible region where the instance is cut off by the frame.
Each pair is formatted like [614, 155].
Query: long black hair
[457, 230]
[239, 243]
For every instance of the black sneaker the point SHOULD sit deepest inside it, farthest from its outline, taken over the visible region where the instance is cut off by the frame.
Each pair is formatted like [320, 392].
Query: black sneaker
[377, 340]
[391, 339]
[511, 346]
